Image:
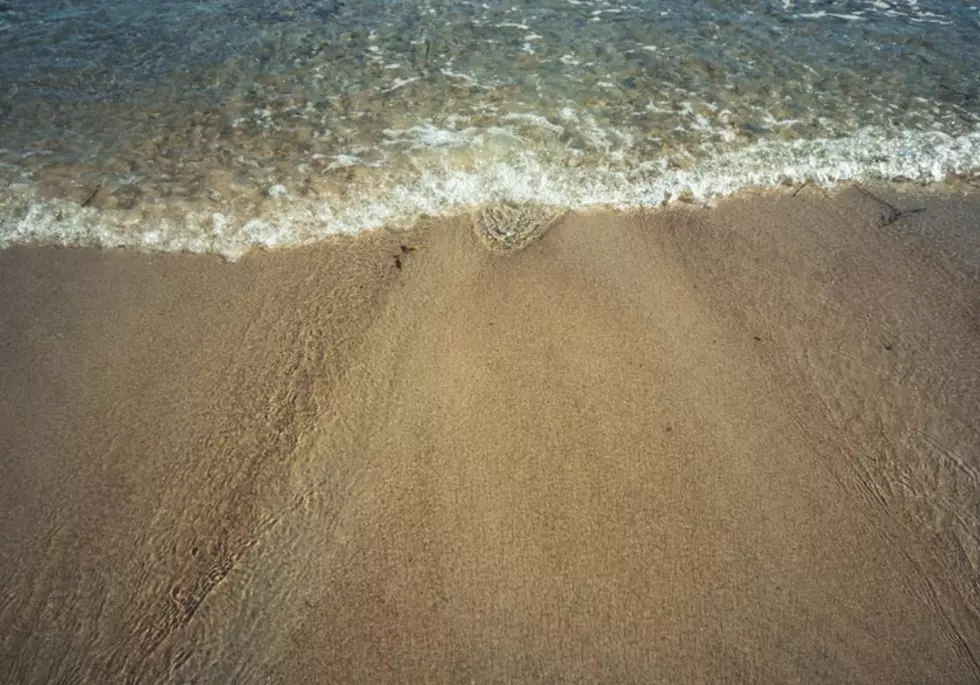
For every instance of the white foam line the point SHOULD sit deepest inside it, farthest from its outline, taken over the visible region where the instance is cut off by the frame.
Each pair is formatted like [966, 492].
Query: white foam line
[443, 191]
[820, 14]
[400, 83]
[446, 71]
[534, 120]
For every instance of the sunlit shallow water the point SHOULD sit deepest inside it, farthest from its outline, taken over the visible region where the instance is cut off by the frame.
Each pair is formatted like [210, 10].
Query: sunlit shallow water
[219, 125]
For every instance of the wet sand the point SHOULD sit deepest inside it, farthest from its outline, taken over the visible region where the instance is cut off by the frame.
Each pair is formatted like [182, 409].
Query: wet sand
[729, 445]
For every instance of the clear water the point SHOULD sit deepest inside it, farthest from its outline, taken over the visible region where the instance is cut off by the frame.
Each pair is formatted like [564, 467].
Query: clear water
[219, 125]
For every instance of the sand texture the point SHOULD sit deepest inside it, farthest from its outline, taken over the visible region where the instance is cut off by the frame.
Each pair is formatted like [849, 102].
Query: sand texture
[736, 445]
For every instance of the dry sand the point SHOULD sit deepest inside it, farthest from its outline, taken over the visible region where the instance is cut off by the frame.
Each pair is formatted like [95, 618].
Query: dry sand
[692, 446]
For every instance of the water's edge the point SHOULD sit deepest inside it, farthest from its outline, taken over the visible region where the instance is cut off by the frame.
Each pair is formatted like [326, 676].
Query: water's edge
[288, 216]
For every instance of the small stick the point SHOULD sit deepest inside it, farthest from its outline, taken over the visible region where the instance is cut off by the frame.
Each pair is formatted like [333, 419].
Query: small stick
[965, 96]
[91, 197]
[800, 187]
[894, 213]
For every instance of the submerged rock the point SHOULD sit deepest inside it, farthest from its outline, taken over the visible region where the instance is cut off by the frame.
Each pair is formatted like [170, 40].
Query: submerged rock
[505, 227]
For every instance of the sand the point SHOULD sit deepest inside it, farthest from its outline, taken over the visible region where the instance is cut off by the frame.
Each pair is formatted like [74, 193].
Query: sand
[738, 444]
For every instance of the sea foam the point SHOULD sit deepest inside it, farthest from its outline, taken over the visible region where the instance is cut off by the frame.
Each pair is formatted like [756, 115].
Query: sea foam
[440, 190]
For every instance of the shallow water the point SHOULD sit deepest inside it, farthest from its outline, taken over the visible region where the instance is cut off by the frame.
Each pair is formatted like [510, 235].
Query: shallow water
[219, 125]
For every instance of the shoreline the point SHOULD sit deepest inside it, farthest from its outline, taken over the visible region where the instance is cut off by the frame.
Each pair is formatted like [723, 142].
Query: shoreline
[82, 207]
[686, 444]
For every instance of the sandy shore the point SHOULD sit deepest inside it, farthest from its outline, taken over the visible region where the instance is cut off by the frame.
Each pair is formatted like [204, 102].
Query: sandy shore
[691, 446]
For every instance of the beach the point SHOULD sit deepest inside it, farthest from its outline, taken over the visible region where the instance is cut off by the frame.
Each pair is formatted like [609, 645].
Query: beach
[683, 445]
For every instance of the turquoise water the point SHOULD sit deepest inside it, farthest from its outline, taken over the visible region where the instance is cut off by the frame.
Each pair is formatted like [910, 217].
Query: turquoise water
[219, 125]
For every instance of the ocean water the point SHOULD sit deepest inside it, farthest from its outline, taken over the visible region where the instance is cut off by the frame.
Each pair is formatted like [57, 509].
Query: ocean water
[221, 125]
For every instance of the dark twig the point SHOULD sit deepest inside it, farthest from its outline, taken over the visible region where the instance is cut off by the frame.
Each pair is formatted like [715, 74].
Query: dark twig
[91, 197]
[966, 116]
[800, 187]
[966, 96]
[894, 213]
